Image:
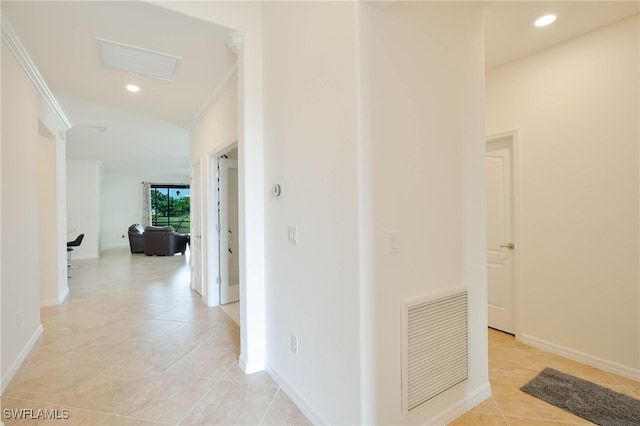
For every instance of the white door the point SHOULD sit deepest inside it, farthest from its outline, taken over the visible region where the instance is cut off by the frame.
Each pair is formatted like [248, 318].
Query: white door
[196, 229]
[500, 243]
[228, 230]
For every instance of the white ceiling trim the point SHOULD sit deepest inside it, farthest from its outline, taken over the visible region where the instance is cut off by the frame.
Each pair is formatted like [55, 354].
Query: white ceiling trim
[22, 55]
[229, 78]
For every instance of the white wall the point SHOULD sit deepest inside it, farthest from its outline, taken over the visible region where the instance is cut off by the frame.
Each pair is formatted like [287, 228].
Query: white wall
[576, 107]
[245, 17]
[311, 147]
[217, 129]
[83, 206]
[32, 182]
[310, 92]
[48, 217]
[121, 200]
[422, 175]
[20, 203]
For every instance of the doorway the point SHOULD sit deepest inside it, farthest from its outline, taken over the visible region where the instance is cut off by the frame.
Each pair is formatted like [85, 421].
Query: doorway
[222, 254]
[500, 163]
[228, 230]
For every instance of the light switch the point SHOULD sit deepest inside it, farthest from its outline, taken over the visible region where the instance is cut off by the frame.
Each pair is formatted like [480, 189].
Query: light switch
[293, 235]
[394, 242]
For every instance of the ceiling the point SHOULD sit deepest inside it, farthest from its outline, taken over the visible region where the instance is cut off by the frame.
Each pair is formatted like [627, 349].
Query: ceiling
[150, 127]
[144, 127]
[510, 34]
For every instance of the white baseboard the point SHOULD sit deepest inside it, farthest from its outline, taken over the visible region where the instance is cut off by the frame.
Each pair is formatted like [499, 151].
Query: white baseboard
[593, 361]
[458, 409]
[294, 396]
[55, 302]
[452, 413]
[250, 367]
[6, 379]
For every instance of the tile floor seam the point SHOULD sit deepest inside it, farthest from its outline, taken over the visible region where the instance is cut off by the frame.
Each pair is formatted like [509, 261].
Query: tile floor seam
[499, 408]
[153, 421]
[204, 395]
[264, 416]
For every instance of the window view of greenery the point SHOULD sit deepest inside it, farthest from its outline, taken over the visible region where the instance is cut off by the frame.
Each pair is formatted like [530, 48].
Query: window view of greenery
[170, 206]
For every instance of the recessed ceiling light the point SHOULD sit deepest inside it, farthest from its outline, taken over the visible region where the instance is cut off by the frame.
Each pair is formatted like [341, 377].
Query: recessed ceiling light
[545, 20]
[133, 88]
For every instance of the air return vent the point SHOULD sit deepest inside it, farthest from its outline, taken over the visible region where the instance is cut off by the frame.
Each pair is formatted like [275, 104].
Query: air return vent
[435, 356]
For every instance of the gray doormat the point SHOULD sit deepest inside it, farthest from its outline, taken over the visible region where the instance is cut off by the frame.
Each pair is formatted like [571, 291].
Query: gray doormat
[585, 399]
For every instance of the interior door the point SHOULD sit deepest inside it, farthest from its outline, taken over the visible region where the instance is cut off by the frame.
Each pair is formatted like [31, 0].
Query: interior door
[196, 229]
[501, 246]
[228, 230]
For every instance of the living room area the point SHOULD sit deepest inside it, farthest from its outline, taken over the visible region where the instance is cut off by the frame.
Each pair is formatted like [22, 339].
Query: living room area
[103, 201]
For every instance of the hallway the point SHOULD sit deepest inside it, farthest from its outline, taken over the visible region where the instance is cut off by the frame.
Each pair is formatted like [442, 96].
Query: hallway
[133, 345]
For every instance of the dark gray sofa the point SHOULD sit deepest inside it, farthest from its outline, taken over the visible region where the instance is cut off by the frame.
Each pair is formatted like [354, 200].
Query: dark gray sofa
[163, 241]
[136, 238]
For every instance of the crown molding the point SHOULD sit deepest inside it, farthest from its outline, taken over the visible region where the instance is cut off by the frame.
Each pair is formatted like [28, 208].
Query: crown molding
[229, 78]
[235, 41]
[10, 37]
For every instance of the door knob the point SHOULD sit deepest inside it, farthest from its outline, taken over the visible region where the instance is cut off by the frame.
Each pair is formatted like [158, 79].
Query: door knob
[510, 246]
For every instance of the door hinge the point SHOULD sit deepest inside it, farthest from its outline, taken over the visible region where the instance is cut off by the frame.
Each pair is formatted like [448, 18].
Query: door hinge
[218, 280]
[218, 227]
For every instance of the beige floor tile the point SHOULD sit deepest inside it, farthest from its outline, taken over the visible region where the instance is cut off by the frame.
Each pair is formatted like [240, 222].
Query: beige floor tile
[57, 415]
[109, 390]
[543, 359]
[56, 344]
[515, 403]
[474, 418]
[625, 380]
[155, 356]
[113, 420]
[487, 406]
[190, 312]
[283, 412]
[518, 365]
[134, 345]
[500, 339]
[151, 330]
[16, 406]
[635, 390]
[235, 374]
[106, 351]
[625, 390]
[229, 403]
[193, 332]
[207, 360]
[523, 421]
[49, 381]
[167, 399]
[500, 383]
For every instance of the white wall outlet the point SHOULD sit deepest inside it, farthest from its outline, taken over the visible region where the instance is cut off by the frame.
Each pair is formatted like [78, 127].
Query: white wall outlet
[293, 235]
[294, 344]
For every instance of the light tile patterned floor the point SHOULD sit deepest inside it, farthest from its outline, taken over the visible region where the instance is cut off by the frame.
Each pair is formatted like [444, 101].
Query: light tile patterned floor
[511, 365]
[133, 345]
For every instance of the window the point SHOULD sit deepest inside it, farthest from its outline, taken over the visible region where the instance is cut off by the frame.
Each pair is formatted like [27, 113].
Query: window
[170, 206]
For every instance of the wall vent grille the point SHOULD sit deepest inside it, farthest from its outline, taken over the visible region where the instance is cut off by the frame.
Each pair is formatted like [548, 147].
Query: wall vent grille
[435, 347]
